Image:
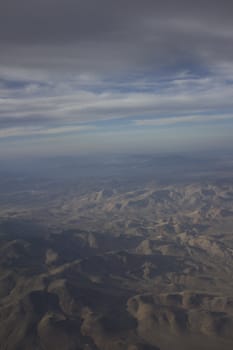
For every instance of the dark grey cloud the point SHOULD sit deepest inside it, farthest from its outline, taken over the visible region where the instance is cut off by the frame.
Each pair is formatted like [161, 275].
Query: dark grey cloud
[59, 20]
[105, 35]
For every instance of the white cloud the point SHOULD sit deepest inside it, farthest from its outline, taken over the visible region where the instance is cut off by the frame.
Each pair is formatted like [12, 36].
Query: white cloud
[19, 132]
[60, 106]
[183, 119]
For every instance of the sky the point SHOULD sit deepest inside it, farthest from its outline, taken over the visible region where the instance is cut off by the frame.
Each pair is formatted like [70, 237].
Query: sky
[86, 76]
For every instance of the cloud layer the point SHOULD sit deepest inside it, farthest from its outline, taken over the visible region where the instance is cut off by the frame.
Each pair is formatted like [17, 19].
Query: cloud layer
[108, 34]
[71, 65]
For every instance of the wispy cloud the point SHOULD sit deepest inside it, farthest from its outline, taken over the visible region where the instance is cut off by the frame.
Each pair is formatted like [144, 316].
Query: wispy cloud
[64, 103]
[200, 119]
[79, 63]
[31, 131]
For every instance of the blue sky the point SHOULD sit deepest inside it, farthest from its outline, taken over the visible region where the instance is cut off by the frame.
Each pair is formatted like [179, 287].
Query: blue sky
[142, 77]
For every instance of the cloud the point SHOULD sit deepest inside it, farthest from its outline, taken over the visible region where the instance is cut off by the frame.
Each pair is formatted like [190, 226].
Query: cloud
[33, 131]
[109, 35]
[76, 63]
[183, 120]
[89, 101]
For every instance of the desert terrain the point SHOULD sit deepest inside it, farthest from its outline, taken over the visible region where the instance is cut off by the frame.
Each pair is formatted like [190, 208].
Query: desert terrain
[116, 264]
